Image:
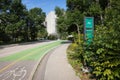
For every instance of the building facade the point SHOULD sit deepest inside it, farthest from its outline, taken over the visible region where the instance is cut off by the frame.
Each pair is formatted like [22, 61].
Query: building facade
[51, 23]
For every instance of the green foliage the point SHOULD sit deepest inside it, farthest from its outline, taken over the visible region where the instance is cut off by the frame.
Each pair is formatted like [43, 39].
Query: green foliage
[80, 5]
[18, 24]
[103, 54]
[73, 57]
[59, 11]
[42, 33]
[74, 19]
[61, 23]
[36, 17]
[76, 50]
[52, 37]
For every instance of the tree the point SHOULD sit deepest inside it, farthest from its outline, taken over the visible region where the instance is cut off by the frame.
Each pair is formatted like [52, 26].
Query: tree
[96, 12]
[17, 10]
[103, 54]
[4, 15]
[59, 12]
[36, 18]
[4, 5]
[81, 5]
[61, 22]
[19, 24]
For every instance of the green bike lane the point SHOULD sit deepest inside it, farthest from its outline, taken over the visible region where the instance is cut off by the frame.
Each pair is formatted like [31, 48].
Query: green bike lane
[22, 65]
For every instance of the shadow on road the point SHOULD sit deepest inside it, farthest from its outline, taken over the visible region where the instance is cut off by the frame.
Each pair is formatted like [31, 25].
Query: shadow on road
[66, 42]
[33, 42]
[24, 43]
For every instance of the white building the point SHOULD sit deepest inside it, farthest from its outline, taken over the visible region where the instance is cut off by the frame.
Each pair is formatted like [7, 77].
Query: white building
[51, 23]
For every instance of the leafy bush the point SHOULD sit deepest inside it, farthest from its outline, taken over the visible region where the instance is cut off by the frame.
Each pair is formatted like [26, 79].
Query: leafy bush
[76, 55]
[73, 57]
[52, 37]
[103, 55]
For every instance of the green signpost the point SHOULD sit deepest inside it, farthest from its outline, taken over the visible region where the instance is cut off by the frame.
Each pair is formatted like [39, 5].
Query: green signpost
[88, 29]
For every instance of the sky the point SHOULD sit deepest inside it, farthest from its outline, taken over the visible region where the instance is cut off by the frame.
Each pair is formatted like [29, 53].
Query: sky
[46, 5]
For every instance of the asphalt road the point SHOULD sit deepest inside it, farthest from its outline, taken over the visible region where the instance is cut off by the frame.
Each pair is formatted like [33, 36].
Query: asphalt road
[6, 50]
[20, 62]
[36, 61]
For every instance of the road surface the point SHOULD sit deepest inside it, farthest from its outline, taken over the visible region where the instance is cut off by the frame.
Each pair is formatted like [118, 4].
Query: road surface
[22, 63]
[55, 66]
[6, 50]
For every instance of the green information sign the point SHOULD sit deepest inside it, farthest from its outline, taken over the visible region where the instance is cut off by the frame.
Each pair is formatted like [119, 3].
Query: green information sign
[89, 22]
[89, 29]
[89, 34]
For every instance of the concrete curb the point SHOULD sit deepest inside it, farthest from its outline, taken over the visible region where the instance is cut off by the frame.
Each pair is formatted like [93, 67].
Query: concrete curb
[38, 62]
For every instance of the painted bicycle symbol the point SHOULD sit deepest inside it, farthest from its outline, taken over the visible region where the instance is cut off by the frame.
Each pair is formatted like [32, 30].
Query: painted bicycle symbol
[16, 74]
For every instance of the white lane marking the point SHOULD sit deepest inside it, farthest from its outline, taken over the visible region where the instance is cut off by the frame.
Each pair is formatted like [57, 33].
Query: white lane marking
[19, 73]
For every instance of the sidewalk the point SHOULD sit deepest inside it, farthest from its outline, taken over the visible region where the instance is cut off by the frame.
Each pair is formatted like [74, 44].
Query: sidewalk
[57, 67]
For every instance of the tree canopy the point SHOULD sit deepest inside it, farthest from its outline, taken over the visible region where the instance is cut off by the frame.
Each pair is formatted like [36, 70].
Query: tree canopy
[102, 55]
[18, 24]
